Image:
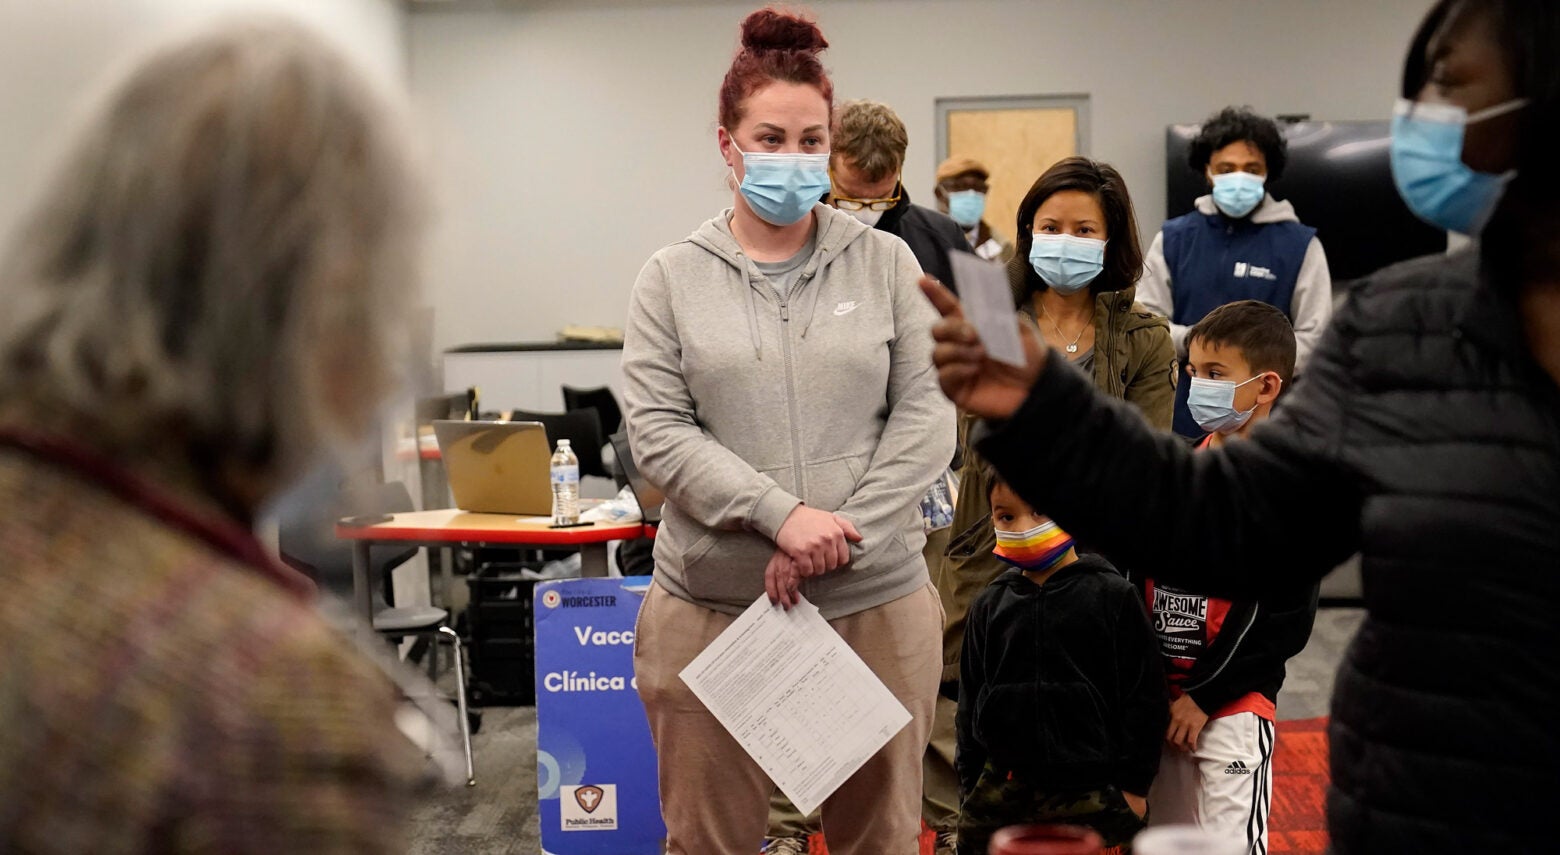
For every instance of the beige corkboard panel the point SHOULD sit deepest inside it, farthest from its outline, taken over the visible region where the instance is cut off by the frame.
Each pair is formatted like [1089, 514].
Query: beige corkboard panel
[1017, 145]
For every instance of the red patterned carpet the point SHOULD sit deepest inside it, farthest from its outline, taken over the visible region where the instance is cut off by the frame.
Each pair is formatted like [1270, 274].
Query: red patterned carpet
[1299, 817]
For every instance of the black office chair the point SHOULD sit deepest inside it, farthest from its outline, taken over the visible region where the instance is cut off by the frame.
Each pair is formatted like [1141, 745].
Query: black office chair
[582, 428]
[308, 544]
[636, 557]
[458, 406]
[599, 399]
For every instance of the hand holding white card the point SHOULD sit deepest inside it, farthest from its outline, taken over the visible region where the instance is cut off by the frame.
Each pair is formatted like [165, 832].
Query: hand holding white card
[796, 697]
[988, 304]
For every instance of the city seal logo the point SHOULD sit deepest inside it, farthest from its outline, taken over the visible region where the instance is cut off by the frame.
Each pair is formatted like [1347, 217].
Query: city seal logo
[551, 599]
[589, 798]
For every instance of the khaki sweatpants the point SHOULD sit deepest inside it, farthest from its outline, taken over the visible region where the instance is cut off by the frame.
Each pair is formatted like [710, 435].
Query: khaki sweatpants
[939, 785]
[715, 799]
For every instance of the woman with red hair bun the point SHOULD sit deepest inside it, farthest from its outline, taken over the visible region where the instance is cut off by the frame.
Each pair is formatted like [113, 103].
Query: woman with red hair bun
[779, 389]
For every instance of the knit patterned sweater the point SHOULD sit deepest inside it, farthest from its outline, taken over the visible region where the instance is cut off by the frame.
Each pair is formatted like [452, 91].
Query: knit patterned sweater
[164, 687]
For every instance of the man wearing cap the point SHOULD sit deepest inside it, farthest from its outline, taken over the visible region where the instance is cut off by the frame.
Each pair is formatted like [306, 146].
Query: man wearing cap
[961, 194]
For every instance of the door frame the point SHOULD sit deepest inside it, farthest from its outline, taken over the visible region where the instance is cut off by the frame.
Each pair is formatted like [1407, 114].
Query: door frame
[1078, 103]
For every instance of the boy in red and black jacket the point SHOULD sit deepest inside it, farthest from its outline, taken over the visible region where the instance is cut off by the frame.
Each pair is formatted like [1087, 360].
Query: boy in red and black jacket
[1224, 658]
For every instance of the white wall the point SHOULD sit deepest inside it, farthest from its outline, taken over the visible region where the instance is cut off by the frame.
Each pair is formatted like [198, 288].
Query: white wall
[575, 137]
[53, 53]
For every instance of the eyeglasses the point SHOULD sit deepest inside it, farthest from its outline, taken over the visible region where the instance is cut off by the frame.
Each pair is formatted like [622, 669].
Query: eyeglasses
[847, 203]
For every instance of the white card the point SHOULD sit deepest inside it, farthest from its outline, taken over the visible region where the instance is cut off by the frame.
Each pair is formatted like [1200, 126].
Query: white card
[988, 303]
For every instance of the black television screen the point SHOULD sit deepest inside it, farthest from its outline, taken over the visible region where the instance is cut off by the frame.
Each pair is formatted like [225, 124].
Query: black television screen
[1339, 179]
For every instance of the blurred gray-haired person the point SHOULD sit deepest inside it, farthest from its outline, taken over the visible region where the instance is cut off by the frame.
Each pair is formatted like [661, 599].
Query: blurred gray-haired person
[205, 296]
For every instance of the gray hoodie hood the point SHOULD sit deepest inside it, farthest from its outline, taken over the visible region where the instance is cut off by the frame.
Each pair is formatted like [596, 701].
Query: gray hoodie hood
[836, 231]
[1270, 211]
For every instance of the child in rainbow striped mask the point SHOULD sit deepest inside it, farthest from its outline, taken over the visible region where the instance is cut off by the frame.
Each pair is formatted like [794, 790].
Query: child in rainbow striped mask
[1062, 699]
[1027, 540]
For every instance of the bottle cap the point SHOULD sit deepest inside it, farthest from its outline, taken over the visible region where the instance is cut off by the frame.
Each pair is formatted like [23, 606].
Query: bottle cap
[563, 443]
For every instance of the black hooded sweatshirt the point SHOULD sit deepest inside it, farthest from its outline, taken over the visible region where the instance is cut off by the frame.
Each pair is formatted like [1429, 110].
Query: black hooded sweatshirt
[1062, 683]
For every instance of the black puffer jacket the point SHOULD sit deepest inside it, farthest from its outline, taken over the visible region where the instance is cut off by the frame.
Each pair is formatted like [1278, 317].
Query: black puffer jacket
[1423, 436]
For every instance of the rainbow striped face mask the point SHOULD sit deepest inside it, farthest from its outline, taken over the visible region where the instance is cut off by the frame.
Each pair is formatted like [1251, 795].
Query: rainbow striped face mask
[1037, 549]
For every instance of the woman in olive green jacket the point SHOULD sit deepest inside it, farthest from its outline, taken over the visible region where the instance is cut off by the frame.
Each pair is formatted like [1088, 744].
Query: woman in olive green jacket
[1075, 272]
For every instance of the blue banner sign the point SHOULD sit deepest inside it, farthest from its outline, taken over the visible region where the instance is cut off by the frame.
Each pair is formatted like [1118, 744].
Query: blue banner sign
[595, 765]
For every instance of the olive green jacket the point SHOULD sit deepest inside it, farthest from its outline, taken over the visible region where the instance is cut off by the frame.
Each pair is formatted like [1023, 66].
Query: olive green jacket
[1134, 360]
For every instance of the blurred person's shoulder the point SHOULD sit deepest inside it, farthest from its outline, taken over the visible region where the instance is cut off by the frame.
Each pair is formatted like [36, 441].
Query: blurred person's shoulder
[155, 662]
[122, 586]
[1417, 292]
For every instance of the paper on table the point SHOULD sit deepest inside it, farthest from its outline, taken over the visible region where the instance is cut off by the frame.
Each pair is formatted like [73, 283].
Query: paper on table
[988, 303]
[796, 697]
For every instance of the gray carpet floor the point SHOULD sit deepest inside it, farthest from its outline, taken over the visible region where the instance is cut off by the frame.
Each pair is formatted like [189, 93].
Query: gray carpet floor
[498, 816]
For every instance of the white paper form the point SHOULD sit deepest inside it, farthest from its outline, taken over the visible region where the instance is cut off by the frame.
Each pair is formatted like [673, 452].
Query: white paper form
[796, 697]
[988, 303]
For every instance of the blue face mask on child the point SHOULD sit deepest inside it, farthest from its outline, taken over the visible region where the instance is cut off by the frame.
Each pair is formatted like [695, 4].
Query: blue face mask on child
[1212, 404]
[1238, 193]
[781, 187]
[966, 207]
[1067, 263]
[1427, 165]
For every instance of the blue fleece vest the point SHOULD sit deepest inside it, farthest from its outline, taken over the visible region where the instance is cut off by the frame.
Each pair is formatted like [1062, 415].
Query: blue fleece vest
[1214, 260]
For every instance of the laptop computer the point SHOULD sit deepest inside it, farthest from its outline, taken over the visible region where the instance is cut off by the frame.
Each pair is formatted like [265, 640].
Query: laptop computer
[648, 495]
[497, 467]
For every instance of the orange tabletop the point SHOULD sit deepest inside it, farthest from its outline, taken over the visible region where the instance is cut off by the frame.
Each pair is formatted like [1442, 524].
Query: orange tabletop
[456, 526]
[434, 528]
[409, 451]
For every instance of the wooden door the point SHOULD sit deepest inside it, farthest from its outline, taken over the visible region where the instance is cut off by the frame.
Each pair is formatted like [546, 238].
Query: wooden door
[1017, 142]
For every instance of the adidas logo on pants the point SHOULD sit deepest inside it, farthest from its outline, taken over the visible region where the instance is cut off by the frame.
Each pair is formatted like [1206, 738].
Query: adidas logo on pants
[1225, 786]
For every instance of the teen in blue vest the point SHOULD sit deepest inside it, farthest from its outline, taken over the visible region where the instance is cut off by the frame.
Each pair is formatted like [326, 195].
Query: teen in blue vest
[1240, 244]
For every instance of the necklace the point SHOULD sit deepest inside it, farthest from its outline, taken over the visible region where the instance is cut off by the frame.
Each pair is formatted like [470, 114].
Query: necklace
[1072, 347]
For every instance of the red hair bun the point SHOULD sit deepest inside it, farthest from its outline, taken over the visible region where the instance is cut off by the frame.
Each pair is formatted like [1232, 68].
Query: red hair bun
[776, 47]
[769, 29]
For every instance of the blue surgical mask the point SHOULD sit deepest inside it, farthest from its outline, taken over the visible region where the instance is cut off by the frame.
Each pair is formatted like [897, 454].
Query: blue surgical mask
[781, 187]
[966, 207]
[1238, 193]
[1067, 263]
[1427, 165]
[1212, 403]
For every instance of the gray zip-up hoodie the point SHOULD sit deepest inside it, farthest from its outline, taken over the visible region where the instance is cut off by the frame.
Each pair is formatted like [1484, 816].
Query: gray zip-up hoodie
[741, 405]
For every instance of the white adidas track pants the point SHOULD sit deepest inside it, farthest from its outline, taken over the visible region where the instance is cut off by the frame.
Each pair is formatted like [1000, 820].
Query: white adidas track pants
[1225, 786]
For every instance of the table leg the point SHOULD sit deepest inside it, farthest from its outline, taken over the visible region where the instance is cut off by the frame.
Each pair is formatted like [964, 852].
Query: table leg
[362, 593]
[593, 560]
[447, 578]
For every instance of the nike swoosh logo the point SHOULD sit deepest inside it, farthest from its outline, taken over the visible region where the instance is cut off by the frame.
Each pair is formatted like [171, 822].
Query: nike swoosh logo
[845, 308]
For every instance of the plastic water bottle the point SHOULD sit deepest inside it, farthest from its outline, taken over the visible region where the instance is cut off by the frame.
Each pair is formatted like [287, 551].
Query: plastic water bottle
[565, 485]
